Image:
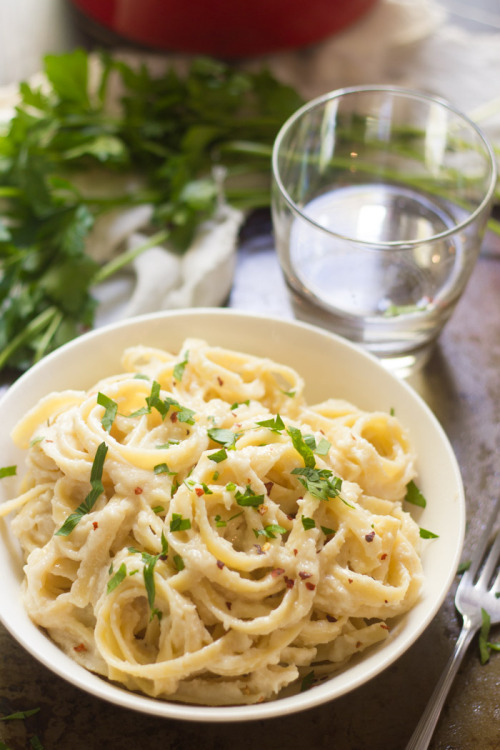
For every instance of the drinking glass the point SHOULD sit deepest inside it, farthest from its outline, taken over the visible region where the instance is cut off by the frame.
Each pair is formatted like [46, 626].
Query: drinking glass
[380, 201]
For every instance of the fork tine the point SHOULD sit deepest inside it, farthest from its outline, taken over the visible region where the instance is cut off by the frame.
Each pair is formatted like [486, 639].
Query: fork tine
[490, 564]
[470, 574]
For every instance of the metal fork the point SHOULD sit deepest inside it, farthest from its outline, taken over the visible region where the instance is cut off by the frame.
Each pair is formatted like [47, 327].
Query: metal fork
[471, 597]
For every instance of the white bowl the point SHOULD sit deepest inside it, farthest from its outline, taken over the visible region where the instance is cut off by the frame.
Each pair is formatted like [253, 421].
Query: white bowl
[330, 367]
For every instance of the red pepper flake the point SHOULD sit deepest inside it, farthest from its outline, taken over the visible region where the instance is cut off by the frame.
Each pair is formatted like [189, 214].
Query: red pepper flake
[289, 582]
[229, 605]
[382, 557]
[199, 491]
[310, 586]
[262, 509]
[296, 552]
[138, 490]
[95, 524]
[305, 575]
[220, 564]
[268, 486]
[383, 625]
[275, 572]
[331, 618]
[47, 440]
[358, 644]
[173, 416]
[81, 647]
[370, 537]
[350, 580]
[260, 551]
[219, 380]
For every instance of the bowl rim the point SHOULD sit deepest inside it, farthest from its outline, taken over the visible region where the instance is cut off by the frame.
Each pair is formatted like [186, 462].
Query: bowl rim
[354, 674]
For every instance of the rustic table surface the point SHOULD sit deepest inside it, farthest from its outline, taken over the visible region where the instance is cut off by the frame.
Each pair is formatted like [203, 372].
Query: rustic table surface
[461, 383]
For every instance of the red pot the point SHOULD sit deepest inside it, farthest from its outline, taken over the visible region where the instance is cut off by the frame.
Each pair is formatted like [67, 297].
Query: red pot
[224, 28]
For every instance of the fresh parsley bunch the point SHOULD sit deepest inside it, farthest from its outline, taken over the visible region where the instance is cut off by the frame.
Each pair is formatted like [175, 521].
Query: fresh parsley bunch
[169, 131]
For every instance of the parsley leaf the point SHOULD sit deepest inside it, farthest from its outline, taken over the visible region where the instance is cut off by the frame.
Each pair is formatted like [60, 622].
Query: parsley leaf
[227, 438]
[110, 410]
[275, 424]
[249, 498]
[301, 447]
[320, 483]
[178, 523]
[425, 534]
[8, 471]
[414, 496]
[118, 577]
[218, 456]
[270, 531]
[92, 497]
[308, 523]
[180, 367]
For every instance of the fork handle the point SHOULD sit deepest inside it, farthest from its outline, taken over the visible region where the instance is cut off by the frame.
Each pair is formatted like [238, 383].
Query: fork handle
[424, 730]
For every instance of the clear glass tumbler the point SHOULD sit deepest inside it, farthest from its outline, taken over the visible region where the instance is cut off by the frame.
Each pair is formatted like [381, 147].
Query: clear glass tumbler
[380, 201]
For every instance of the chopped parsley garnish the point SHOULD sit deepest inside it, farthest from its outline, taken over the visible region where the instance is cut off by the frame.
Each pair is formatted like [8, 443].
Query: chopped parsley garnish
[327, 531]
[322, 447]
[149, 562]
[274, 424]
[8, 471]
[270, 531]
[425, 534]
[414, 496]
[178, 523]
[230, 486]
[168, 444]
[118, 577]
[220, 523]
[249, 498]
[301, 447]
[153, 401]
[320, 483]
[158, 509]
[181, 366]
[218, 456]
[110, 410]
[94, 494]
[465, 565]
[179, 563]
[290, 394]
[307, 682]
[227, 438]
[163, 469]
[308, 523]
[239, 403]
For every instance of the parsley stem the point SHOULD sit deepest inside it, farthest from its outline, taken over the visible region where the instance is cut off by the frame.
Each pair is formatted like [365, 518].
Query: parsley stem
[125, 258]
[34, 327]
[49, 334]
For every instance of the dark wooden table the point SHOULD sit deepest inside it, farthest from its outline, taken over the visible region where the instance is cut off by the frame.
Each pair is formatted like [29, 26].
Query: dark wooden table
[461, 383]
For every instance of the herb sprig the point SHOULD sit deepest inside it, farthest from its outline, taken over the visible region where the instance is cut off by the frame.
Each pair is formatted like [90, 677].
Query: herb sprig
[170, 133]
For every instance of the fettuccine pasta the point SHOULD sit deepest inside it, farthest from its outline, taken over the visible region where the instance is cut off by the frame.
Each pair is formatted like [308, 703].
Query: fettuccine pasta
[194, 530]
